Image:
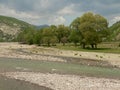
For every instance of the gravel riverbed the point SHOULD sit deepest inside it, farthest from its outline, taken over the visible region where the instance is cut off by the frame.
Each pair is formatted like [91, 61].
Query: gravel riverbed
[58, 81]
[66, 82]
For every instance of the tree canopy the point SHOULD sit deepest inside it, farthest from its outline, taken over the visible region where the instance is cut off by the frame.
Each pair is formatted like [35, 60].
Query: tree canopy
[89, 29]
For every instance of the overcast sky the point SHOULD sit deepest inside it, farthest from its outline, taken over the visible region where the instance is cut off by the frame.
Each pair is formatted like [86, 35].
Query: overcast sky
[56, 12]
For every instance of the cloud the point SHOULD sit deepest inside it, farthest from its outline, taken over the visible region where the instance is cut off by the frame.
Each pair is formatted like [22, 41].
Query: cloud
[67, 10]
[61, 11]
[30, 17]
[114, 20]
[18, 14]
[57, 20]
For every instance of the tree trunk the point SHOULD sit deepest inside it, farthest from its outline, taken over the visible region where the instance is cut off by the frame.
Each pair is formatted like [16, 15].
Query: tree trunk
[92, 45]
[59, 40]
[75, 44]
[83, 46]
[63, 44]
[95, 45]
[39, 44]
[48, 44]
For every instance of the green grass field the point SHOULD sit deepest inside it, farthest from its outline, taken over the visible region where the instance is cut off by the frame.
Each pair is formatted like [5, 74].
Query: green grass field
[106, 47]
[7, 65]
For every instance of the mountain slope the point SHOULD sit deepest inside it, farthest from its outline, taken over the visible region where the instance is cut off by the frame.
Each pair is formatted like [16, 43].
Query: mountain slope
[115, 32]
[10, 27]
[42, 26]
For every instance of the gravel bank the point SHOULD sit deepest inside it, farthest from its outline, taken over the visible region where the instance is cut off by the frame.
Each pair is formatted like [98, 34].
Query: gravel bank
[56, 81]
[11, 50]
[66, 82]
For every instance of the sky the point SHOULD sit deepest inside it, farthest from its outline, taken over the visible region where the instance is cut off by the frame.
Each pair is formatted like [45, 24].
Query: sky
[39, 12]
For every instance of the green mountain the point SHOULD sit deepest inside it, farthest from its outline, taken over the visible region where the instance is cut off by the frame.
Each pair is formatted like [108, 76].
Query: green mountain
[10, 27]
[42, 26]
[115, 32]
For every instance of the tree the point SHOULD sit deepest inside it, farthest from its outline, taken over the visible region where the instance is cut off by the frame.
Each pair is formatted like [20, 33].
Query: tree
[74, 37]
[64, 40]
[49, 36]
[92, 28]
[62, 32]
[38, 37]
[75, 24]
[101, 26]
[29, 38]
[54, 40]
[26, 36]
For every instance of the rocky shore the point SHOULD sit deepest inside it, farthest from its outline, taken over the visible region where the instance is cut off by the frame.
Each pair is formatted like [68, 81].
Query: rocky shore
[57, 81]
[32, 52]
[66, 82]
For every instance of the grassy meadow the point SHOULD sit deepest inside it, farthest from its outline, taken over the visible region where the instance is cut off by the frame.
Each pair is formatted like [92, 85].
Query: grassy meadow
[106, 47]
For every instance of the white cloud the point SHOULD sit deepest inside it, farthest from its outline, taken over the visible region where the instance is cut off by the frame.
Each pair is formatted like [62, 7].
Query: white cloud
[57, 20]
[11, 12]
[58, 11]
[114, 20]
[67, 10]
[42, 4]
[27, 16]
[45, 3]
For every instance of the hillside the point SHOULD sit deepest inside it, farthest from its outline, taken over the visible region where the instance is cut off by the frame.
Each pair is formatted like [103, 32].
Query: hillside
[42, 26]
[115, 32]
[10, 27]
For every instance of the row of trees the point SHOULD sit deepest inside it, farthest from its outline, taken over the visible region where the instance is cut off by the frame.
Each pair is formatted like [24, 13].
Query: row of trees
[89, 29]
[50, 35]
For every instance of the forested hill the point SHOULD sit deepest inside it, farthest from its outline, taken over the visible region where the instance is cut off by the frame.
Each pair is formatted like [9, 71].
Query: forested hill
[10, 27]
[115, 32]
[13, 21]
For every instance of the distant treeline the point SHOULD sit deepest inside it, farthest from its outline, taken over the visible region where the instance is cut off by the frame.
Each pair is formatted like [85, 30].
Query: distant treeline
[89, 29]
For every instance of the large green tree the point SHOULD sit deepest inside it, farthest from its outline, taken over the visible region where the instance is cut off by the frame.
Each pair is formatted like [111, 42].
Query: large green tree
[38, 37]
[75, 24]
[62, 33]
[74, 37]
[49, 36]
[92, 27]
[26, 36]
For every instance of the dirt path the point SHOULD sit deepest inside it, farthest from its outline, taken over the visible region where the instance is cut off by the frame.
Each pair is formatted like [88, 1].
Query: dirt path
[66, 82]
